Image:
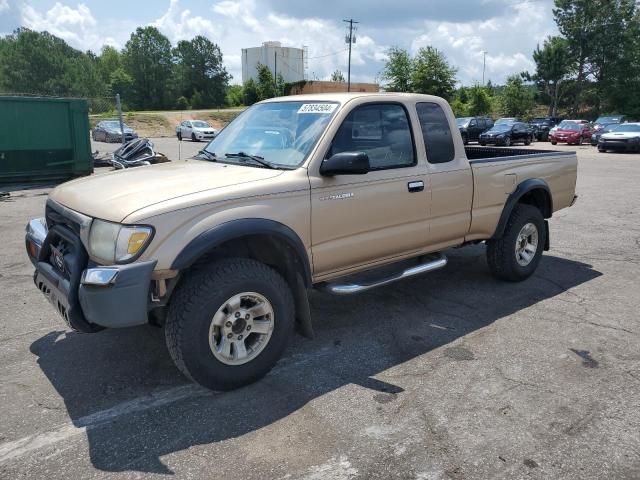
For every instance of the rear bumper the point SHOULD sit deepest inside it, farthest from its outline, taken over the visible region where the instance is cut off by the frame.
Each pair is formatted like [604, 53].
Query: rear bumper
[93, 296]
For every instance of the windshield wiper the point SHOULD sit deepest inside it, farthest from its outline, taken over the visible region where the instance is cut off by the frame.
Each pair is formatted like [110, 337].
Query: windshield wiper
[255, 158]
[209, 155]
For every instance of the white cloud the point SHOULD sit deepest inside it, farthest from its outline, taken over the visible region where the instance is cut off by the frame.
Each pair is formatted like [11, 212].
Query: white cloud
[4, 5]
[180, 24]
[75, 25]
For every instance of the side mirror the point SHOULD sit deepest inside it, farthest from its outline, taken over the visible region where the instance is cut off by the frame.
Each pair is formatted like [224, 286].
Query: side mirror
[345, 163]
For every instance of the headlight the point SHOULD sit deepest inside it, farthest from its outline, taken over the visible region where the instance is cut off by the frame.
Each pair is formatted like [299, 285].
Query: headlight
[115, 243]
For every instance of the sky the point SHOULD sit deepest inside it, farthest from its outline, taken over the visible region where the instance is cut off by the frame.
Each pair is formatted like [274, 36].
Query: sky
[507, 30]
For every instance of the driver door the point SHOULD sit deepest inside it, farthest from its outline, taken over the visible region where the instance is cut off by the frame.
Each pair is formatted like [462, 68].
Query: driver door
[358, 220]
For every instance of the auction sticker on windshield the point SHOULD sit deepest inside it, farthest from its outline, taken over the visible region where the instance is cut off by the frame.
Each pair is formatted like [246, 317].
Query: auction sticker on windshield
[317, 108]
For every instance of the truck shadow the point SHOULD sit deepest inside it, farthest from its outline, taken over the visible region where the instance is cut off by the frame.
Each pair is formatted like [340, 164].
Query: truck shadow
[357, 338]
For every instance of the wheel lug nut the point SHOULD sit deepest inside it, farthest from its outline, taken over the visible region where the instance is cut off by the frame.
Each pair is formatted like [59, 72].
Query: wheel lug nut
[239, 337]
[228, 324]
[229, 335]
[248, 328]
[247, 316]
[237, 314]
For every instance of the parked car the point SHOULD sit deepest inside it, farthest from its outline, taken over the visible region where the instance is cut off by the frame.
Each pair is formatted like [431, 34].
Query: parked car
[597, 132]
[608, 120]
[471, 127]
[196, 130]
[109, 131]
[541, 127]
[502, 120]
[219, 250]
[622, 138]
[563, 123]
[573, 133]
[507, 134]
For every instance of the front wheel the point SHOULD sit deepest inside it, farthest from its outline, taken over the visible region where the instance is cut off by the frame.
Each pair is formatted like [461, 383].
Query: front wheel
[580, 141]
[527, 141]
[193, 137]
[507, 141]
[554, 143]
[179, 134]
[465, 139]
[516, 255]
[228, 325]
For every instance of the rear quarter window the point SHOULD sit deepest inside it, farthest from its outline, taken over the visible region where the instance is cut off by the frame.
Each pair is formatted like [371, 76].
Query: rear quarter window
[438, 141]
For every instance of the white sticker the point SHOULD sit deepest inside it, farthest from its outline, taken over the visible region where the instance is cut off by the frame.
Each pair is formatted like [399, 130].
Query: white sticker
[317, 108]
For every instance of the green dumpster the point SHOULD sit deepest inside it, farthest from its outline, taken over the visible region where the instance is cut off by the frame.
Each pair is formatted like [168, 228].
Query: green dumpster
[44, 139]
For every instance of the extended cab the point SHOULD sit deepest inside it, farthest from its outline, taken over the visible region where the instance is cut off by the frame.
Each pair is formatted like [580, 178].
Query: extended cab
[314, 191]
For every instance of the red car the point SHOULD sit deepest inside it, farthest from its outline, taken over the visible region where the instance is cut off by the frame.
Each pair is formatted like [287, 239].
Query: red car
[571, 133]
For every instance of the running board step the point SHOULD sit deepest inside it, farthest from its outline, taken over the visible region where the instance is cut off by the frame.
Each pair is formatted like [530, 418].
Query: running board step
[349, 288]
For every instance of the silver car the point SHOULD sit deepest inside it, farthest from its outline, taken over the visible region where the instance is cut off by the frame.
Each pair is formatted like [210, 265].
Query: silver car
[196, 130]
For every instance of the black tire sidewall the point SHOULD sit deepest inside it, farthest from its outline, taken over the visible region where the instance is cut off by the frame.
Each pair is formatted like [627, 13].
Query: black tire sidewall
[193, 137]
[525, 214]
[200, 362]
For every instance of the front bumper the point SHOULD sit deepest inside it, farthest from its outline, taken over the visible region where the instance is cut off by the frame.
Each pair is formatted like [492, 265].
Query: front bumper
[492, 140]
[89, 297]
[619, 145]
[204, 136]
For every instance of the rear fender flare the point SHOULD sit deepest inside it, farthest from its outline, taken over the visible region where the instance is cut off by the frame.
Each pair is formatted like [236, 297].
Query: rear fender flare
[514, 198]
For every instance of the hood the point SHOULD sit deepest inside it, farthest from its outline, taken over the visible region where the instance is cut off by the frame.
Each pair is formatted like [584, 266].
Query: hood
[568, 132]
[115, 195]
[202, 129]
[620, 135]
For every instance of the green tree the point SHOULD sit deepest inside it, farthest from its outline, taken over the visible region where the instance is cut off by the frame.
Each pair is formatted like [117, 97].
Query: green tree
[109, 61]
[397, 70]
[553, 66]
[120, 82]
[479, 101]
[38, 62]
[235, 95]
[266, 85]
[199, 68]
[250, 92]
[337, 76]
[516, 98]
[432, 73]
[148, 61]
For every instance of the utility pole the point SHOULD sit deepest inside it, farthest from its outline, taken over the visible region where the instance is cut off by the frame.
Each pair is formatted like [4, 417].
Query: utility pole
[350, 39]
[484, 63]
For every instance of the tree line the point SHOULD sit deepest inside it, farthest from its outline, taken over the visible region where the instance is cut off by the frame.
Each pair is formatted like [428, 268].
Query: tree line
[593, 67]
[149, 73]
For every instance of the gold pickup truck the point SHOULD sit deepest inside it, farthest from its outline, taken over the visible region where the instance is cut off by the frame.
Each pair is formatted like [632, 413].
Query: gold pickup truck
[313, 191]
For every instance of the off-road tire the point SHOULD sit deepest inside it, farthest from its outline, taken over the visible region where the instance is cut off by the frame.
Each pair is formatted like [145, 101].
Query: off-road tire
[501, 255]
[193, 306]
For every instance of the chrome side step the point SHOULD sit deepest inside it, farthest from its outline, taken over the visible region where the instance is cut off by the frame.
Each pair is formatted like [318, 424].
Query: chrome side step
[338, 288]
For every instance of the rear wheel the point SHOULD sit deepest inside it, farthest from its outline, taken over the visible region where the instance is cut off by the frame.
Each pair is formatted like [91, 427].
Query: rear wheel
[516, 255]
[554, 143]
[484, 144]
[229, 324]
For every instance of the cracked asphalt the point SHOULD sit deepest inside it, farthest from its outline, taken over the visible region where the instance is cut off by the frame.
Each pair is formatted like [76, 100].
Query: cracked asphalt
[452, 375]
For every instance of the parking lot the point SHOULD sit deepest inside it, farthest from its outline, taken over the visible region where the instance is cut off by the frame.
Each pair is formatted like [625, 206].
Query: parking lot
[450, 375]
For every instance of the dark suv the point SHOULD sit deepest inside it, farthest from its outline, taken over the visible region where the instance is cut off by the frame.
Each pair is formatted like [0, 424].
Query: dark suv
[542, 125]
[472, 127]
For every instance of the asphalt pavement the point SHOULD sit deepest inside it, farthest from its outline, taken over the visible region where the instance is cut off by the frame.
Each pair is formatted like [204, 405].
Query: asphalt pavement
[452, 375]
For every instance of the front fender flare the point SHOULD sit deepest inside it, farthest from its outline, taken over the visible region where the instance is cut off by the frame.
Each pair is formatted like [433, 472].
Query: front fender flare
[209, 239]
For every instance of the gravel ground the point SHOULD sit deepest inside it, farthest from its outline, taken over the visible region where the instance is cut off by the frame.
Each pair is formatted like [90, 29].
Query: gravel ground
[450, 375]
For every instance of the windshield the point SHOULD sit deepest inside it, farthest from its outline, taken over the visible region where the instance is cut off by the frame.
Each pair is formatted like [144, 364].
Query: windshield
[502, 121]
[627, 127]
[575, 127]
[463, 121]
[200, 124]
[115, 124]
[608, 120]
[541, 120]
[282, 133]
[501, 127]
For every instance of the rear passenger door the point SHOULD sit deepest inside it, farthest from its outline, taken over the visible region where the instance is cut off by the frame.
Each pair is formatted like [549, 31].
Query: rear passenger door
[358, 220]
[450, 176]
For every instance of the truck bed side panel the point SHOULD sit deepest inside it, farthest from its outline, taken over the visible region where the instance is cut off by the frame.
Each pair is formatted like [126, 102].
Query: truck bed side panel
[495, 179]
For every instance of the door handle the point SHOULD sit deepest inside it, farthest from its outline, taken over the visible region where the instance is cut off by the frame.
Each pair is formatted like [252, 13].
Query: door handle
[415, 186]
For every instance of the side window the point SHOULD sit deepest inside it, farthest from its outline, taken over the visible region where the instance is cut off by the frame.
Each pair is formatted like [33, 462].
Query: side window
[436, 133]
[380, 130]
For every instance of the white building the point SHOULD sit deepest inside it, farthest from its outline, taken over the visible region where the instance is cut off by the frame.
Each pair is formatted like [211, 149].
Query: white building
[286, 61]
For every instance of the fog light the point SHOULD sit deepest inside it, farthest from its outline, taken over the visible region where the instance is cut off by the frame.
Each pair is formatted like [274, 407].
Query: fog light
[99, 276]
